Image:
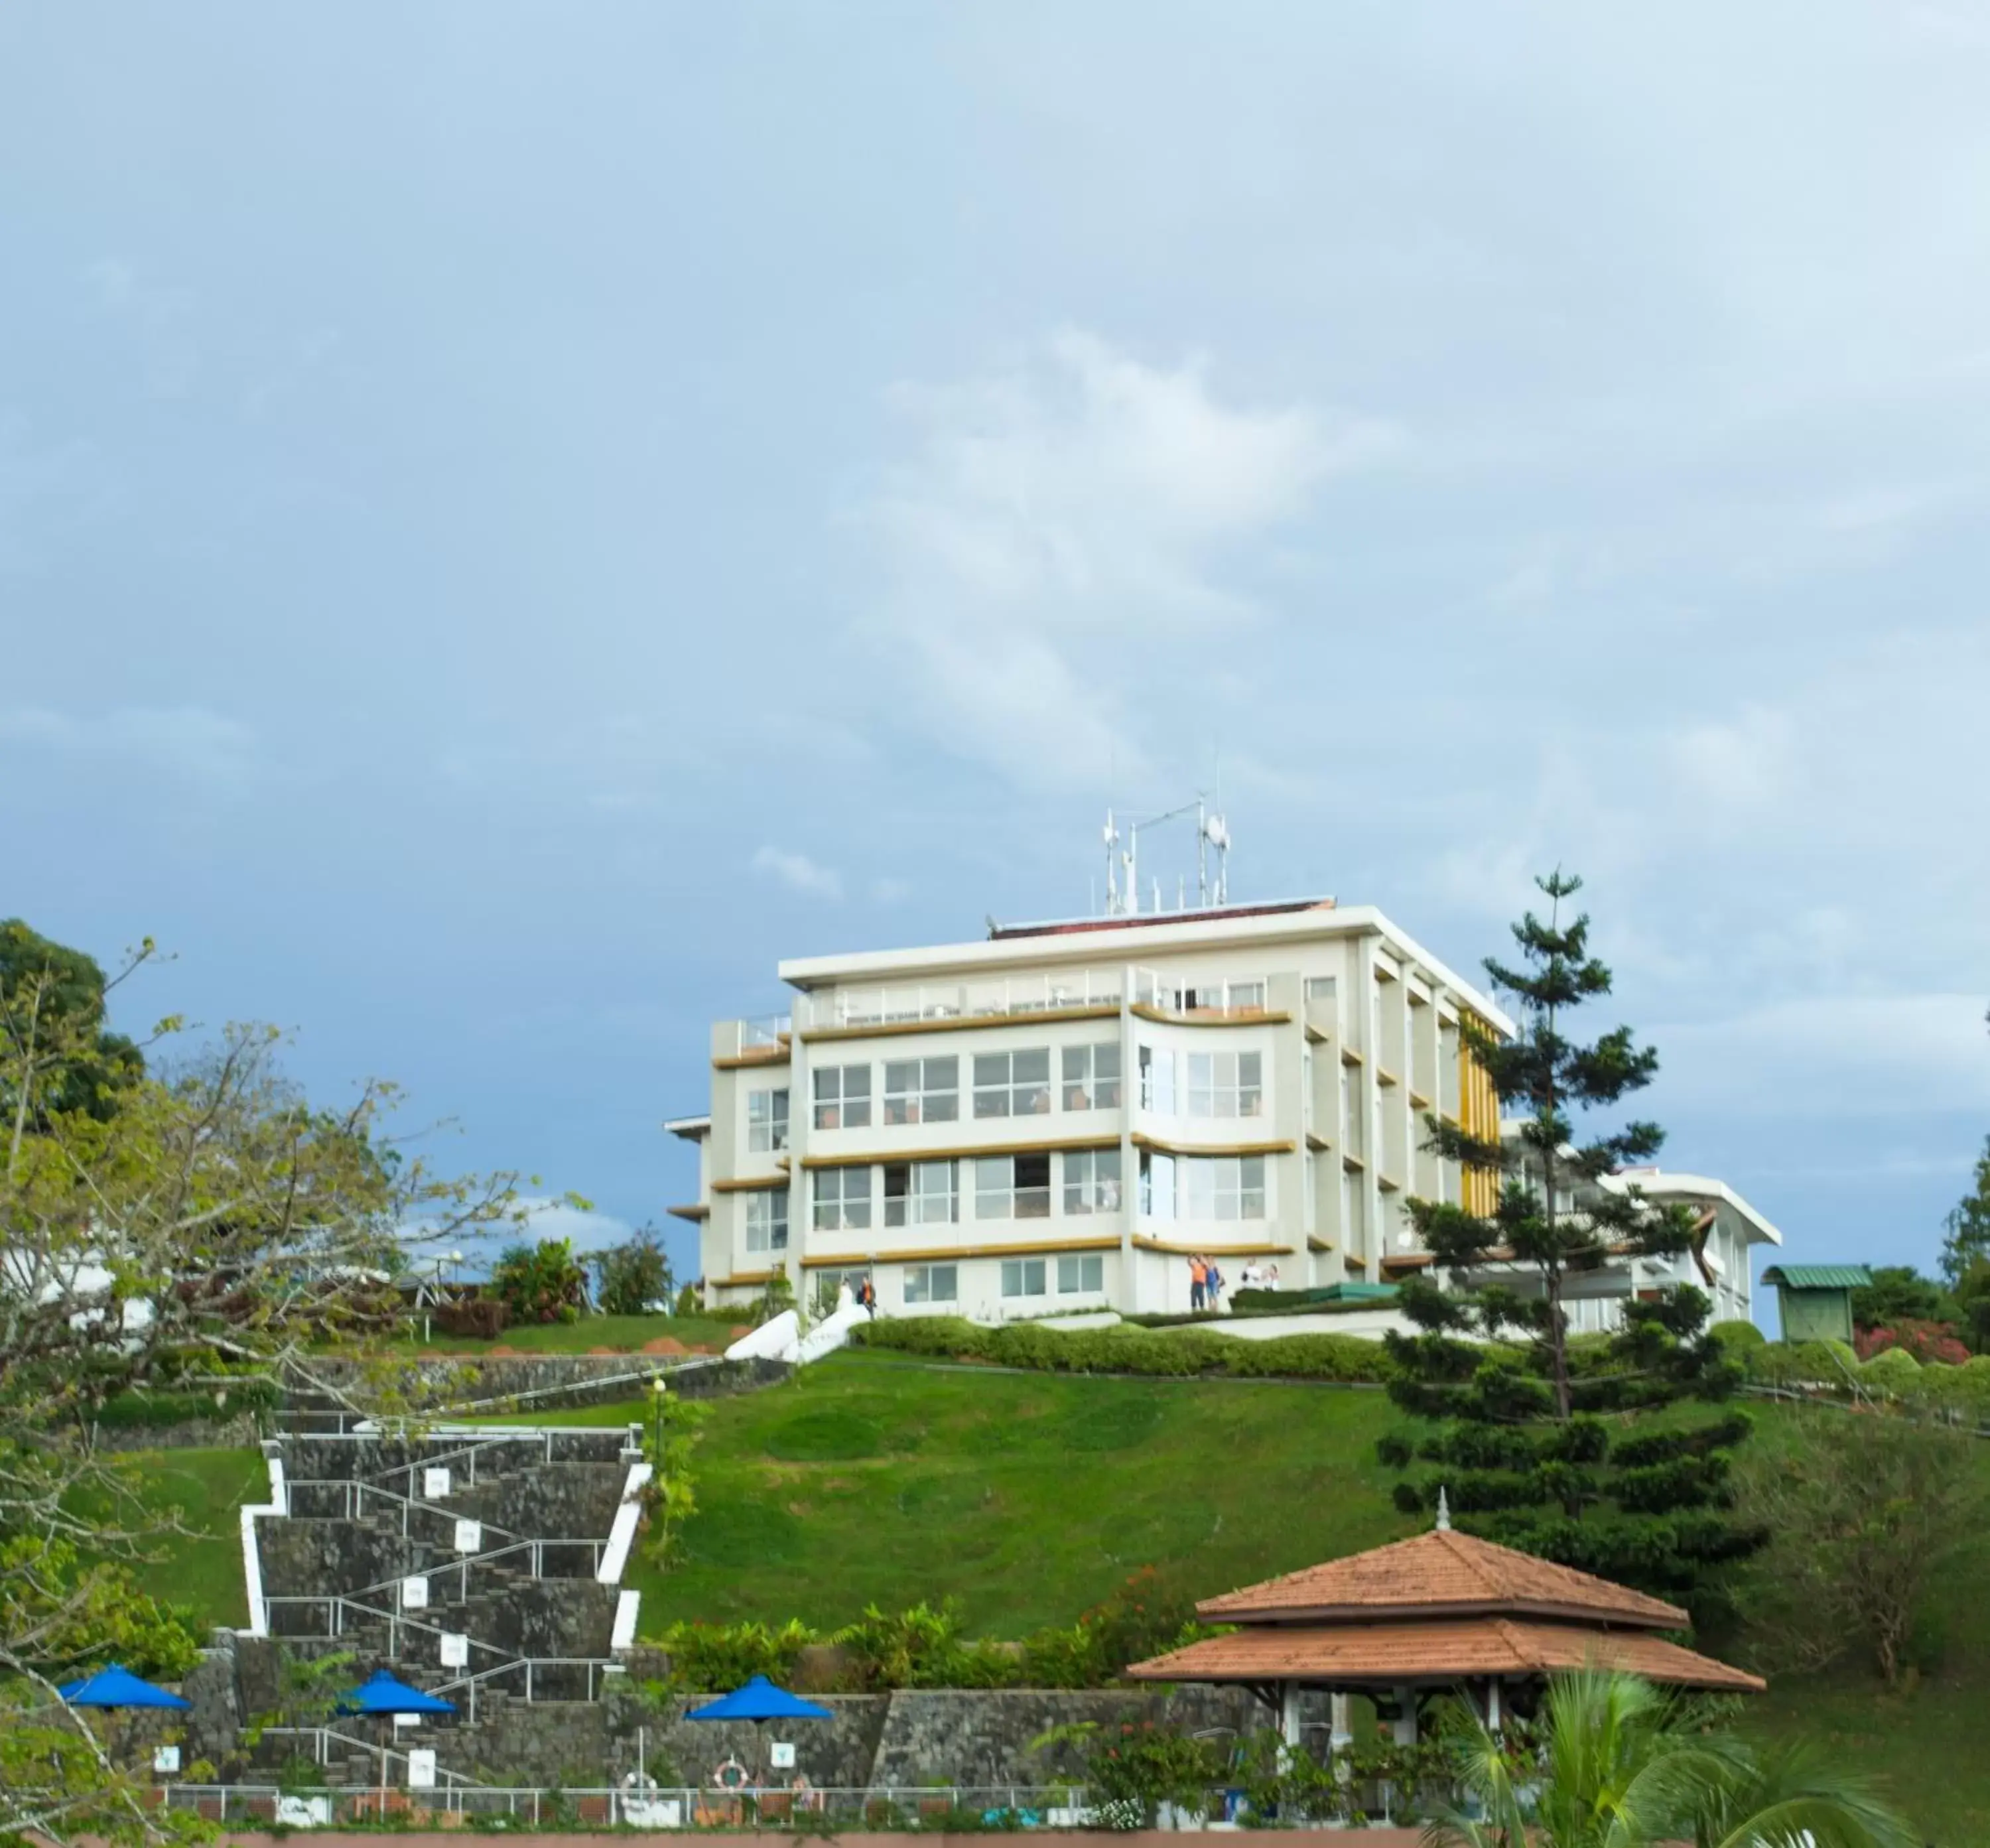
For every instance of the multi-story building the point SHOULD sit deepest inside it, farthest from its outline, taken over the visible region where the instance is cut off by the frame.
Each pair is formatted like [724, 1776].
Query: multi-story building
[1058, 1116]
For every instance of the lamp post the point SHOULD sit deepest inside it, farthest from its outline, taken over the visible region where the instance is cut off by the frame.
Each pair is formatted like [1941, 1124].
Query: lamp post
[657, 1392]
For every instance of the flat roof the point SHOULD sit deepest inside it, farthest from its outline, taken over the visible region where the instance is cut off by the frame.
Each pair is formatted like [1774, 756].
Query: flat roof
[690, 1128]
[1287, 921]
[1658, 1183]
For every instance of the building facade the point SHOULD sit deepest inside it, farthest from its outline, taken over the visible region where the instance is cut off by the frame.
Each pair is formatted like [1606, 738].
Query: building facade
[1059, 1116]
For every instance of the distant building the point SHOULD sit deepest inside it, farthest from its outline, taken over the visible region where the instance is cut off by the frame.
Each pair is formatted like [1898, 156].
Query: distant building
[1057, 1117]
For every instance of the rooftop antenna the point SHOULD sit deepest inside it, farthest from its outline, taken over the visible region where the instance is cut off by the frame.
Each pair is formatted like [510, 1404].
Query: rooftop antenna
[1111, 836]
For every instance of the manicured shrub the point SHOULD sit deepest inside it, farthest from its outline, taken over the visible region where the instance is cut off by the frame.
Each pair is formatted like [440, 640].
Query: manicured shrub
[477, 1318]
[1894, 1372]
[1739, 1339]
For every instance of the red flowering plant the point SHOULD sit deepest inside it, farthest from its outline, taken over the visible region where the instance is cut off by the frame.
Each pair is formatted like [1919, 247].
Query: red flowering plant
[1932, 1343]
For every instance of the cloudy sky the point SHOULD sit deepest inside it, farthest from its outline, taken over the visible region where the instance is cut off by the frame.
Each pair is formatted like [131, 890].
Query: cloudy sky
[513, 518]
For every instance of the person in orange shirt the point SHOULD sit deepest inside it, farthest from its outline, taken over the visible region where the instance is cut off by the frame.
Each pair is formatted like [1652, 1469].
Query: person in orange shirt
[1198, 1279]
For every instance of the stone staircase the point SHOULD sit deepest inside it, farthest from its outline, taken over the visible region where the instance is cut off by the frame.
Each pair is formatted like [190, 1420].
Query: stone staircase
[481, 1563]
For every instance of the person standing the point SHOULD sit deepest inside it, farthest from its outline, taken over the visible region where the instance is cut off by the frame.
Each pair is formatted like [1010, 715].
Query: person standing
[1212, 1291]
[1198, 1275]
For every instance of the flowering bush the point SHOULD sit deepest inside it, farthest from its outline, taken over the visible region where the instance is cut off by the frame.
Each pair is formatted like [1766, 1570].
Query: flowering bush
[1932, 1343]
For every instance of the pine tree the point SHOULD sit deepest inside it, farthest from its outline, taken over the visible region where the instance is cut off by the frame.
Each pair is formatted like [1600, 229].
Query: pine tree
[1968, 1244]
[1529, 1433]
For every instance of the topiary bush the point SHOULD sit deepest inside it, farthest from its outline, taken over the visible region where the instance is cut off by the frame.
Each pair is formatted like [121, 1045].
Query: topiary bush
[1893, 1370]
[1738, 1340]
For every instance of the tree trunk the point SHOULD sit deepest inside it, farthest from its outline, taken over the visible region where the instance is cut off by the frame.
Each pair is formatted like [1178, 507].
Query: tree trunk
[1558, 1344]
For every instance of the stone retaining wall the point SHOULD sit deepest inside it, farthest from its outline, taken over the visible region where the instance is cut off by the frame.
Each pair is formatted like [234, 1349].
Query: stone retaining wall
[541, 1382]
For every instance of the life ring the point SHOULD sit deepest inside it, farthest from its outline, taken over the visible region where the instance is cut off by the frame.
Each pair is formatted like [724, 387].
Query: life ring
[731, 1775]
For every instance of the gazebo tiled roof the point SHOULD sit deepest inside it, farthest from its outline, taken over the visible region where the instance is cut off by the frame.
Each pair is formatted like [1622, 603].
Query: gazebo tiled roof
[1384, 1655]
[1440, 1573]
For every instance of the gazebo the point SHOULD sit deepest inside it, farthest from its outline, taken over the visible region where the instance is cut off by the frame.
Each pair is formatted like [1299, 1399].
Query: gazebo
[1441, 1611]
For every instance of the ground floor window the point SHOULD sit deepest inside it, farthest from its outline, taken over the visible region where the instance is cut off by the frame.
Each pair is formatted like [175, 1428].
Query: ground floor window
[828, 1283]
[1023, 1277]
[933, 1283]
[1080, 1275]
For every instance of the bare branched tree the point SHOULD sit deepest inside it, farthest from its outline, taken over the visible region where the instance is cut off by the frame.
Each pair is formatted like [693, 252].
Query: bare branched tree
[197, 1229]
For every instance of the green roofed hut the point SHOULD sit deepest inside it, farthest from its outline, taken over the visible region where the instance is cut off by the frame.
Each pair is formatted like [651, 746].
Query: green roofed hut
[1815, 1300]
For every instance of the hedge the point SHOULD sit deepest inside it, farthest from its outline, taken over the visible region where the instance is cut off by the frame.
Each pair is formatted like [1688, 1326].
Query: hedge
[225, 1398]
[1345, 1358]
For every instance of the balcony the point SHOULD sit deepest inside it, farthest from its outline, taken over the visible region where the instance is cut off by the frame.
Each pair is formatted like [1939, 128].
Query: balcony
[1241, 998]
[945, 1004]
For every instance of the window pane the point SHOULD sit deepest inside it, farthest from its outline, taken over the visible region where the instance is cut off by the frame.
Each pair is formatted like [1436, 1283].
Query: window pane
[902, 1075]
[1034, 1066]
[942, 1074]
[990, 1068]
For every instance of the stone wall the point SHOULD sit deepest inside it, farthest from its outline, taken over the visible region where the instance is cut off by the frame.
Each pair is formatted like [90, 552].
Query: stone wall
[494, 1382]
[238, 1433]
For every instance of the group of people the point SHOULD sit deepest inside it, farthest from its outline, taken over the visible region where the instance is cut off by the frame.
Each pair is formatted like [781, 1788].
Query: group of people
[1206, 1283]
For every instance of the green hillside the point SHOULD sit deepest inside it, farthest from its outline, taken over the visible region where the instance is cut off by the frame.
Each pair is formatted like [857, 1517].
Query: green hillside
[1029, 1497]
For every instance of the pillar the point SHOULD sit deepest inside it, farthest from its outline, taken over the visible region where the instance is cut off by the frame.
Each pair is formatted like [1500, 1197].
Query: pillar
[1289, 1714]
[1406, 1719]
[1340, 1724]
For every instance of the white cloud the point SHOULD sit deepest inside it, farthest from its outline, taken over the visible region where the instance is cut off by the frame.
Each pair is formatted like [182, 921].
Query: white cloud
[1057, 522]
[800, 872]
[190, 741]
[888, 891]
[588, 1230]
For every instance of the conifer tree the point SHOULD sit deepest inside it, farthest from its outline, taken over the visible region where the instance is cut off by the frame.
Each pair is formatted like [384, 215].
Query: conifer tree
[1519, 1425]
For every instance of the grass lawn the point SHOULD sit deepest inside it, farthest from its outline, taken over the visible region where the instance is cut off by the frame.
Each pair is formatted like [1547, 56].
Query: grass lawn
[619, 1334]
[1029, 1497]
[201, 1568]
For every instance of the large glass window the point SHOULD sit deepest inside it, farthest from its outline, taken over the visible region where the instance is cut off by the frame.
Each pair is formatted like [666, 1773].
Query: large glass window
[767, 1220]
[1012, 1186]
[767, 1119]
[842, 1199]
[1023, 1277]
[842, 1097]
[920, 1193]
[1226, 1085]
[1202, 1186]
[829, 1283]
[1092, 1181]
[1080, 1275]
[932, 1283]
[1157, 1080]
[921, 1090]
[1013, 1084]
[1091, 1076]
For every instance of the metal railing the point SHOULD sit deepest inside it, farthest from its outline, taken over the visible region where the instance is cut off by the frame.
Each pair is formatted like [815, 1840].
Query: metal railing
[353, 1492]
[337, 1606]
[323, 1738]
[990, 999]
[463, 1565]
[1241, 996]
[531, 1668]
[764, 1030]
[645, 1805]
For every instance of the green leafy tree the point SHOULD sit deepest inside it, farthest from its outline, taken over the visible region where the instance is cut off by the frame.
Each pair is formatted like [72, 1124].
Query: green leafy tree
[1619, 1764]
[670, 1446]
[542, 1283]
[1521, 1442]
[629, 1276]
[53, 1002]
[1968, 1225]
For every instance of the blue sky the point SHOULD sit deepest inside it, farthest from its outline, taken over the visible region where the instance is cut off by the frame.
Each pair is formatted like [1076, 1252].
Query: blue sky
[514, 518]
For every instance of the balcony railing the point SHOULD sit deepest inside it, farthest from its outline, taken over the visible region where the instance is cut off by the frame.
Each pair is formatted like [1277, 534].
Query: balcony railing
[768, 1030]
[1239, 995]
[989, 1000]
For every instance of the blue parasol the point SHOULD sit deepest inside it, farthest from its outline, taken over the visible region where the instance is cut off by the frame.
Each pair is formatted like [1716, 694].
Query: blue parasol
[760, 1700]
[116, 1687]
[380, 1693]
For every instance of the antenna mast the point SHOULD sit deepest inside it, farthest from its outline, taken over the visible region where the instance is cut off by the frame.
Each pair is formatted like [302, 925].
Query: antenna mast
[1123, 870]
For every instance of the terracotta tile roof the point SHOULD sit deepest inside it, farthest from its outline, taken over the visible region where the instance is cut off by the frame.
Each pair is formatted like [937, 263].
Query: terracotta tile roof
[1442, 1572]
[1448, 1650]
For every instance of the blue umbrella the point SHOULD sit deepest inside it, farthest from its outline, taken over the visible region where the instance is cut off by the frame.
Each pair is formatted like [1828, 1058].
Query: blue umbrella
[381, 1693]
[759, 1700]
[116, 1687]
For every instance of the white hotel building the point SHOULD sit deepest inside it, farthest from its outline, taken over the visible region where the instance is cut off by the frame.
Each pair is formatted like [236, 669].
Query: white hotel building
[1058, 1116]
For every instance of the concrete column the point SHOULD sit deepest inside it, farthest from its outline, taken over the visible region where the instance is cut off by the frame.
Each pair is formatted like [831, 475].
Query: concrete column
[1128, 1297]
[1340, 1730]
[1289, 1713]
[1406, 1721]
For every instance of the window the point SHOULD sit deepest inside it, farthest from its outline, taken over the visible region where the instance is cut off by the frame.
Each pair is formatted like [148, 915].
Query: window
[1247, 995]
[842, 1097]
[828, 1282]
[1022, 1276]
[1091, 1076]
[921, 1090]
[1157, 1080]
[1350, 1110]
[1221, 1187]
[933, 1283]
[920, 1193]
[1012, 1186]
[1012, 1084]
[1319, 988]
[766, 1120]
[1226, 1085]
[767, 1220]
[1091, 1181]
[842, 1199]
[1081, 1276]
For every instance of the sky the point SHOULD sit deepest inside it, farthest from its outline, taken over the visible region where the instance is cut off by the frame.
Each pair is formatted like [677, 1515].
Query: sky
[514, 518]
